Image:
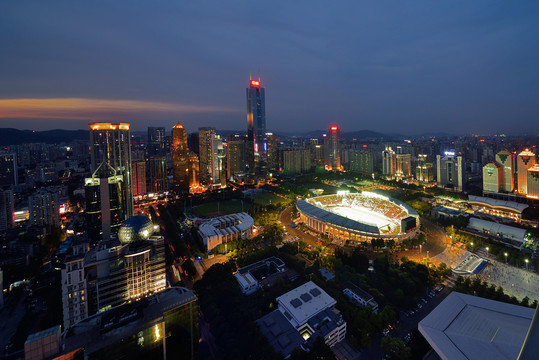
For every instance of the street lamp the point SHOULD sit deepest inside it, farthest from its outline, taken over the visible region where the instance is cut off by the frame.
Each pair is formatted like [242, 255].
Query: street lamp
[526, 260]
[505, 257]
[420, 248]
[487, 251]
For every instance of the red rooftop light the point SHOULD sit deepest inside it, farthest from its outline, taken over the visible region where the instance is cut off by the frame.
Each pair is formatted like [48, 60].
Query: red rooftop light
[334, 128]
[255, 83]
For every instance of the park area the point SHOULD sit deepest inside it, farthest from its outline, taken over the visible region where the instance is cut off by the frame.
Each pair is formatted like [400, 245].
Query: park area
[221, 208]
[267, 198]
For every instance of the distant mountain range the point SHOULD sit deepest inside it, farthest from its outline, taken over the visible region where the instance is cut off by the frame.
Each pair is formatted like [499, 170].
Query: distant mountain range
[10, 136]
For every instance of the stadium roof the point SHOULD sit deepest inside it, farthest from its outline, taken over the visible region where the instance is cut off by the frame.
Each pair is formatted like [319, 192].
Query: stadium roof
[304, 302]
[499, 204]
[469, 327]
[329, 217]
[500, 230]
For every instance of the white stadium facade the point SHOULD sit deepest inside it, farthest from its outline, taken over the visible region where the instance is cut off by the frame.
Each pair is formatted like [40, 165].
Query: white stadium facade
[359, 217]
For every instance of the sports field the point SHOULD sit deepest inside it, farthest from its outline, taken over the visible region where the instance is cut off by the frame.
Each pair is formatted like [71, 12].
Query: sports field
[362, 215]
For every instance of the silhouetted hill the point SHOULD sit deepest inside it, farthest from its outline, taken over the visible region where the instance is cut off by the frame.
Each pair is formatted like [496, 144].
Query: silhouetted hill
[17, 137]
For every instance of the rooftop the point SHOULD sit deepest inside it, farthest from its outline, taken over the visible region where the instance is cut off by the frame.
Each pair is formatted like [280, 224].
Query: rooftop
[469, 327]
[509, 205]
[304, 302]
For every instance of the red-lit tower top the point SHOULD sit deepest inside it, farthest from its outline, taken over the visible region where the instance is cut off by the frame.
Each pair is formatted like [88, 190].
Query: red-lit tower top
[255, 83]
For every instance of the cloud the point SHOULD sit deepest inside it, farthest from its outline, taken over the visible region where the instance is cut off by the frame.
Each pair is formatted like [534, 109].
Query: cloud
[94, 109]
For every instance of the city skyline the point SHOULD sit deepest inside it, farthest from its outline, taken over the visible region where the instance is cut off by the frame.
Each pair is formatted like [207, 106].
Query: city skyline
[459, 68]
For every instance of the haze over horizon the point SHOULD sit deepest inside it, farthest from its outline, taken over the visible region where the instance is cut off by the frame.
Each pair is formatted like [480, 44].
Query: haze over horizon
[406, 68]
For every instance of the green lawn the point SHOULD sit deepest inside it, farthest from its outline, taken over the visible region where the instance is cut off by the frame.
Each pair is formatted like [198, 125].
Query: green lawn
[224, 208]
[266, 198]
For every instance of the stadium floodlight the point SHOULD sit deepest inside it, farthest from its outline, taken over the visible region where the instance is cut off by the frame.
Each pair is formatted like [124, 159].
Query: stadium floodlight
[343, 192]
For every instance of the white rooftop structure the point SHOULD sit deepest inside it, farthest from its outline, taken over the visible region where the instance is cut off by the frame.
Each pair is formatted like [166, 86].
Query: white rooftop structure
[247, 282]
[498, 204]
[304, 302]
[496, 229]
[226, 228]
[468, 327]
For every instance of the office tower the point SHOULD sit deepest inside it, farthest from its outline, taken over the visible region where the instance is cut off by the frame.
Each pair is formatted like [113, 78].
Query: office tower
[193, 144]
[7, 210]
[505, 159]
[205, 138]
[44, 208]
[158, 174]
[139, 178]
[450, 171]
[362, 162]
[111, 143]
[272, 161]
[403, 168]
[532, 182]
[424, 170]
[156, 141]
[235, 156]
[194, 180]
[256, 128]
[180, 159]
[104, 207]
[492, 177]
[317, 152]
[525, 160]
[333, 158]
[389, 162]
[8, 170]
[296, 161]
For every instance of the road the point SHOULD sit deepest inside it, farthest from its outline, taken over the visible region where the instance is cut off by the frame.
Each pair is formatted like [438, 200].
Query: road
[285, 218]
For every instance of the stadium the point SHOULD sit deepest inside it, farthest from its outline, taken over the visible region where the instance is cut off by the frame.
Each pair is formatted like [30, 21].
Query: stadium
[359, 217]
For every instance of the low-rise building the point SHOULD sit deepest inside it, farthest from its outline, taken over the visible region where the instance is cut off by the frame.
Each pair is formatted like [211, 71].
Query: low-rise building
[249, 277]
[223, 229]
[360, 296]
[303, 314]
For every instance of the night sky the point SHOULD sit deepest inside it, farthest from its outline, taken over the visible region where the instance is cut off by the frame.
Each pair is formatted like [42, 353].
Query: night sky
[407, 67]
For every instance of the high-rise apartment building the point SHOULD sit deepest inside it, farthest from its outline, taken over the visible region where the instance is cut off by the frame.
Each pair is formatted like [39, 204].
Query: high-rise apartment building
[139, 178]
[389, 162]
[333, 158]
[525, 160]
[156, 141]
[180, 159]
[424, 170]
[8, 170]
[235, 156]
[7, 212]
[272, 159]
[44, 208]
[205, 137]
[158, 174]
[256, 128]
[505, 159]
[450, 171]
[218, 171]
[403, 168]
[362, 162]
[104, 202]
[111, 143]
[192, 143]
[296, 161]
[492, 177]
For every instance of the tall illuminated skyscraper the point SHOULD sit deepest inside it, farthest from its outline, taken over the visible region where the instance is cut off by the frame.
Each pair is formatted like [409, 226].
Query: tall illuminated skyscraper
[158, 174]
[505, 159]
[194, 170]
[180, 159]
[111, 143]
[333, 160]
[256, 128]
[205, 140]
[525, 161]
[139, 178]
[389, 162]
[156, 141]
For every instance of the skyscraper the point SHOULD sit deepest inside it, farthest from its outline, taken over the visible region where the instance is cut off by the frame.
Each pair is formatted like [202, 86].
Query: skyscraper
[205, 137]
[256, 128]
[424, 170]
[7, 220]
[139, 178]
[525, 161]
[404, 166]
[362, 162]
[194, 170]
[450, 171]
[505, 159]
[111, 143]
[235, 156]
[389, 162]
[156, 141]
[180, 159]
[492, 177]
[104, 207]
[333, 161]
[158, 174]
[8, 169]
[272, 152]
